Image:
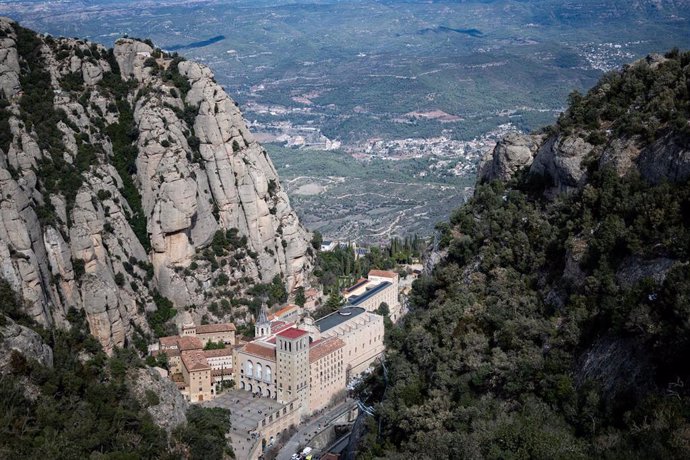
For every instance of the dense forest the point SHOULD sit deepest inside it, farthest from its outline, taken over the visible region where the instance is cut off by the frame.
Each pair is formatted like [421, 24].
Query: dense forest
[555, 327]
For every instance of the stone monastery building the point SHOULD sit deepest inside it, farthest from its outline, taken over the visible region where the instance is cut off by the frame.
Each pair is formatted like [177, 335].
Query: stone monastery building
[292, 359]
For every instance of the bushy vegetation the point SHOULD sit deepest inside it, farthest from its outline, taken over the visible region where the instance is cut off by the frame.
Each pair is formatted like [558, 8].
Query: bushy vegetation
[173, 75]
[205, 433]
[340, 268]
[272, 293]
[646, 100]
[40, 116]
[553, 329]
[122, 134]
[159, 320]
[82, 404]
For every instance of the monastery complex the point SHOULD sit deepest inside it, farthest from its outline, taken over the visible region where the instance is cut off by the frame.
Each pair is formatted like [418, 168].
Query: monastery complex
[302, 364]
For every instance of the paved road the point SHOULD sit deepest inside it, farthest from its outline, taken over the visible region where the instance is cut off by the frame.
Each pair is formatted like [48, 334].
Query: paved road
[307, 430]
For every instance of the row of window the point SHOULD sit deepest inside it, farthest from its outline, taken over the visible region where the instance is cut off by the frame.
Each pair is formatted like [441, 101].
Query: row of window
[258, 372]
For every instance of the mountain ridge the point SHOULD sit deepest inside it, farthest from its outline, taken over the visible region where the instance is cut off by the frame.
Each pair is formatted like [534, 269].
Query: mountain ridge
[128, 177]
[556, 323]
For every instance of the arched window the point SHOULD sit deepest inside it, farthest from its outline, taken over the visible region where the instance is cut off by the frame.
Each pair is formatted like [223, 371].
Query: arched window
[269, 374]
[258, 371]
[249, 369]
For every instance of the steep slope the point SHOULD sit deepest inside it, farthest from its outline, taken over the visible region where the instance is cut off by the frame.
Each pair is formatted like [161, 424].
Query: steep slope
[127, 176]
[558, 324]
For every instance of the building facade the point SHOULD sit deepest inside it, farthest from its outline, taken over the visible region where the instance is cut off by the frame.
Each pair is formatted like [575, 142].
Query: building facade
[292, 358]
[198, 373]
[369, 293]
[362, 334]
[326, 372]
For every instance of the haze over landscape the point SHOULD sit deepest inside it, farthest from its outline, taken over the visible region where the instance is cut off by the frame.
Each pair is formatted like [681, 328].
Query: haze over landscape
[407, 95]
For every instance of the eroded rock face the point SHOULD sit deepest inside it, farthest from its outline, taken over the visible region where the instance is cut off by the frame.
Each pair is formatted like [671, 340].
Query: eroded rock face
[14, 337]
[512, 153]
[169, 409]
[560, 161]
[667, 159]
[196, 173]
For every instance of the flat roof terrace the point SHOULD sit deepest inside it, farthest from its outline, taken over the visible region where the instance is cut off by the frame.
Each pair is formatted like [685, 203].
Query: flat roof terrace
[246, 414]
[357, 299]
[337, 318]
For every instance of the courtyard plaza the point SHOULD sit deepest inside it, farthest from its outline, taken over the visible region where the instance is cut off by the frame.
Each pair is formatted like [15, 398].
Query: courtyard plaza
[246, 413]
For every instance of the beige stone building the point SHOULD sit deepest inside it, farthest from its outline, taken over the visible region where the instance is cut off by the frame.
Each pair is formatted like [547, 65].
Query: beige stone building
[211, 333]
[326, 372]
[292, 359]
[290, 313]
[197, 376]
[198, 372]
[369, 293]
[255, 369]
[220, 361]
[361, 331]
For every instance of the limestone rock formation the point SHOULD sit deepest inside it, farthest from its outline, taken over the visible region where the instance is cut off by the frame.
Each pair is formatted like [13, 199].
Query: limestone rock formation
[127, 173]
[666, 159]
[160, 396]
[513, 152]
[560, 160]
[14, 337]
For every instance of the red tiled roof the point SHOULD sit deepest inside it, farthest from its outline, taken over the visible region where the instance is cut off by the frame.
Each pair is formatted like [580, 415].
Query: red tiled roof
[291, 333]
[168, 342]
[212, 328]
[218, 353]
[283, 311]
[279, 326]
[253, 348]
[321, 348]
[195, 361]
[168, 351]
[189, 343]
[383, 273]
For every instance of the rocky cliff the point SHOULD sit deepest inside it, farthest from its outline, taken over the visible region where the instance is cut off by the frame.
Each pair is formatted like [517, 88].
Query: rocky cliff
[127, 172]
[634, 120]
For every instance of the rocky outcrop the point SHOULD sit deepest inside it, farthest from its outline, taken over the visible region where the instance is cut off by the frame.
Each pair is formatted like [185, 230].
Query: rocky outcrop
[634, 269]
[160, 397]
[9, 68]
[14, 337]
[560, 162]
[618, 366]
[133, 220]
[512, 153]
[667, 159]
